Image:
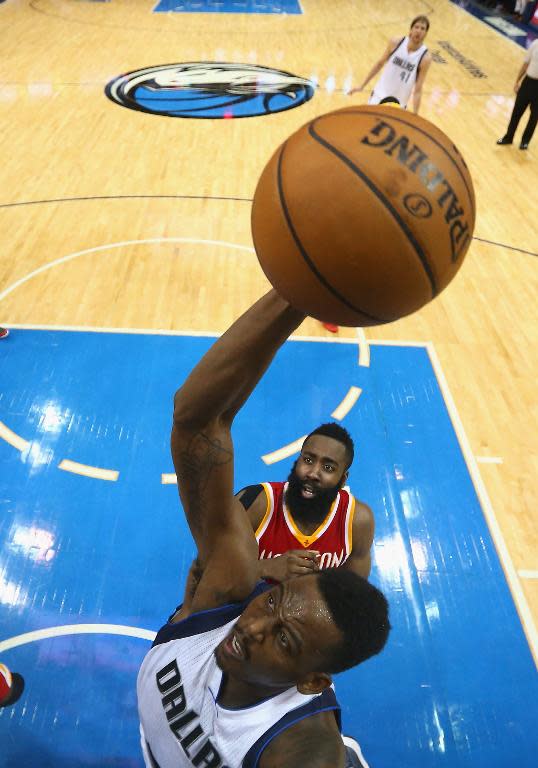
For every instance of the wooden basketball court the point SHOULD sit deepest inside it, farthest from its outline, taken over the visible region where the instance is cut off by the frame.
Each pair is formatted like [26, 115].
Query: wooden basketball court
[119, 219]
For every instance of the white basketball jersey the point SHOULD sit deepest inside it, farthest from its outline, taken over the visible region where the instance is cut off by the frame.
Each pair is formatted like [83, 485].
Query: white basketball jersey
[182, 723]
[399, 74]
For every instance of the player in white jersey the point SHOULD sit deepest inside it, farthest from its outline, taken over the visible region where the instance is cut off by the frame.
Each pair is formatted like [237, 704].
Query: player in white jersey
[240, 676]
[405, 64]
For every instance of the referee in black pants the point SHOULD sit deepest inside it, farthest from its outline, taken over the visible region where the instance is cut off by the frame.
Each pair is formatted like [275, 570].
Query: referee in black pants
[526, 89]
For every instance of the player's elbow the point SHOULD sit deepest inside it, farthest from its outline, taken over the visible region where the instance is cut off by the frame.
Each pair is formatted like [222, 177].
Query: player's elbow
[192, 414]
[187, 415]
[359, 565]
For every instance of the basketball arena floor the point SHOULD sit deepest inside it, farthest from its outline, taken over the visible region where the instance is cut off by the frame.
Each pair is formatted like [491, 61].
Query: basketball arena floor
[126, 249]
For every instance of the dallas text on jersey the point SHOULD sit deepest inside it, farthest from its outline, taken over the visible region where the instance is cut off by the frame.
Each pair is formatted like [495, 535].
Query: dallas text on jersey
[181, 719]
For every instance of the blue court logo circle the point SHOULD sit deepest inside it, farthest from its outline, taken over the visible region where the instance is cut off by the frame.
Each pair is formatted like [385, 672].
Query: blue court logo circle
[210, 90]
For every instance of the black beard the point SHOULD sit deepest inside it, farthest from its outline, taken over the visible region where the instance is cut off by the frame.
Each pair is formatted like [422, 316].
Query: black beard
[315, 508]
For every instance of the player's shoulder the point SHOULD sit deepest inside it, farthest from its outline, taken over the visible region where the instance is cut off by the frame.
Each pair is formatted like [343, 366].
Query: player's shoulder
[361, 508]
[314, 741]
[253, 491]
[256, 500]
[394, 42]
[276, 485]
[363, 528]
[363, 512]
[248, 495]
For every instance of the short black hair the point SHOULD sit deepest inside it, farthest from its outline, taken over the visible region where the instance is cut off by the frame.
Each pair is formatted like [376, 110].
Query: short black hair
[339, 433]
[361, 613]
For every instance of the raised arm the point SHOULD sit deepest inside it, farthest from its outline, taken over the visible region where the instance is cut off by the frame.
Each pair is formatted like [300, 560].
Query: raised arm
[202, 450]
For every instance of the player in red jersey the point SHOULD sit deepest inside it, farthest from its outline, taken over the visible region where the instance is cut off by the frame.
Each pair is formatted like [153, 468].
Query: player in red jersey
[312, 522]
[11, 686]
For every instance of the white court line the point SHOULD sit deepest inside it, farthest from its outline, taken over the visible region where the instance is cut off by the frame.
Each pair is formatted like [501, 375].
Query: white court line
[122, 244]
[489, 459]
[97, 329]
[88, 471]
[341, 410]
[164, 332]
[364, 348]
[69, 466]
[10, 437]
[76, 629]
[270, 458]
[167, 332]
[399, 343]
[326, 339]
[208, 333]
[528, 574]
[285, 452]
[347, 403]
[216, 334]
[502, 550]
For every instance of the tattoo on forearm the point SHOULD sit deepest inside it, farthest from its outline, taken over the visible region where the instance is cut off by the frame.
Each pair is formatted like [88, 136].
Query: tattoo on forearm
[198, 459]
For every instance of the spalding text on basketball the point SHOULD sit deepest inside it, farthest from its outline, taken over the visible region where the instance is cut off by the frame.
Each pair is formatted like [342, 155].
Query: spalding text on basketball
[384, 136]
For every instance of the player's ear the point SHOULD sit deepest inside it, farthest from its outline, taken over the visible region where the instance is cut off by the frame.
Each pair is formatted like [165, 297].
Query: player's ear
[315, 682]
[345, 476]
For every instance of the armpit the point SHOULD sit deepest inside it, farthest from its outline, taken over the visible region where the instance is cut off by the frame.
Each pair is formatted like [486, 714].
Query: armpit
[248, 495]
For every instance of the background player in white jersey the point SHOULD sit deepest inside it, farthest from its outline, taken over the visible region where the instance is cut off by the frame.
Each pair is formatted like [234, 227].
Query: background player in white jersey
[405, 64]
[240, 676]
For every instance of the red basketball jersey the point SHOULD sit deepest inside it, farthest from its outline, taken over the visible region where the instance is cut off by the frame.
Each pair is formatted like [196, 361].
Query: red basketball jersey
[278, 532]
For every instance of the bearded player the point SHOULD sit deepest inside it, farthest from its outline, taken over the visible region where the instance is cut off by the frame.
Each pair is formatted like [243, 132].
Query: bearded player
[311, 522]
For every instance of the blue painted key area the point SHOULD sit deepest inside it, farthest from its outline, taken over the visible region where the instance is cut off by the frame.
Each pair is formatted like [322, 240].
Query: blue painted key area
[456, 685]
[228, 6]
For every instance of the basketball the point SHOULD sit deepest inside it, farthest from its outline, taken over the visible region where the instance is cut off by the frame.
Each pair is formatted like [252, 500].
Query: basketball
[363, 215]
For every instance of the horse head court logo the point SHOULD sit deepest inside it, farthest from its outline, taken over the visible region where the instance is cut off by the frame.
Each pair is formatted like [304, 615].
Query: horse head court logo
[210, 90]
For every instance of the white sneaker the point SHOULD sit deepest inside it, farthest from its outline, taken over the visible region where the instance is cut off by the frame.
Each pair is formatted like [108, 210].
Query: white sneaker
[355, 758]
